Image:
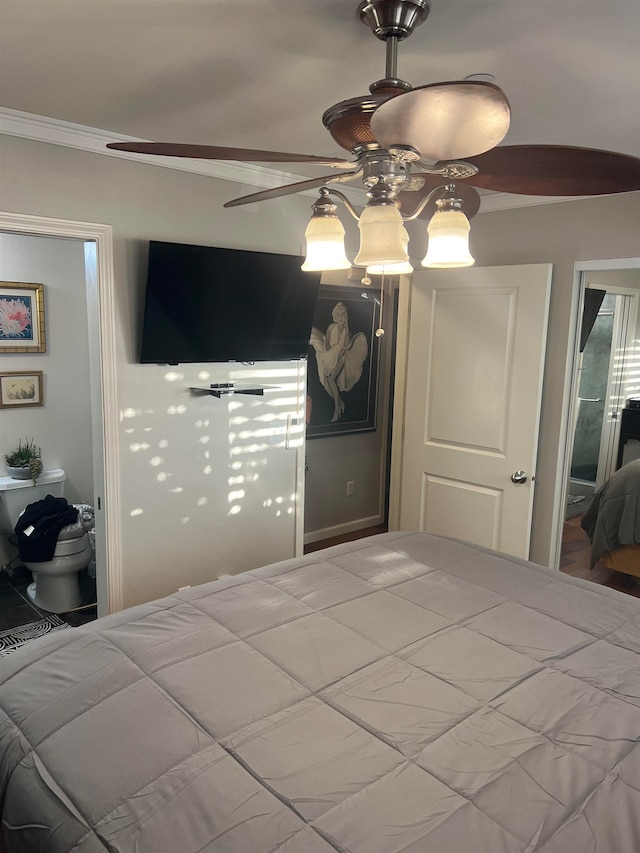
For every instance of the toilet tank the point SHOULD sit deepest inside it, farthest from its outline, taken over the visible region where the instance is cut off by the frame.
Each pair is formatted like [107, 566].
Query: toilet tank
[15, 495]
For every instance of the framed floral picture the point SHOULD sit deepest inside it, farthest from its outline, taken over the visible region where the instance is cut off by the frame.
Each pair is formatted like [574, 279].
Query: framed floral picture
[21, 388]
[22, 327]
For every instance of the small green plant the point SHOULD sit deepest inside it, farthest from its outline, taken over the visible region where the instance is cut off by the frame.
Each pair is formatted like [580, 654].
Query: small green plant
[28, 455]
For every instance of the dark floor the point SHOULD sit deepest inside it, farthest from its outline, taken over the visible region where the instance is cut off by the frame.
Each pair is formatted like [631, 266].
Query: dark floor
[16, 608]
[575, 560]
[346, 537]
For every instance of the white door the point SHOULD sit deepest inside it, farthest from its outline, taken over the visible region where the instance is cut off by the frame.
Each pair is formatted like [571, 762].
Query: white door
[476, 346]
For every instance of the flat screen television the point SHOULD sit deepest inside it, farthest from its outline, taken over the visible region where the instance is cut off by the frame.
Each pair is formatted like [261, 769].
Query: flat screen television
[206, 304]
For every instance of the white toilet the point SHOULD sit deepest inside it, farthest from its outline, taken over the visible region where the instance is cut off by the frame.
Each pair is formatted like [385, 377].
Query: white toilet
[56, 586]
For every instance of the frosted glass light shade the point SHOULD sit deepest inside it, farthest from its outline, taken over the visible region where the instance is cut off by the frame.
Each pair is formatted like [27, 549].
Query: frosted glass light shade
[390, 269]
[448, 240]
[325, 245]
[383, 237]
[393, 269]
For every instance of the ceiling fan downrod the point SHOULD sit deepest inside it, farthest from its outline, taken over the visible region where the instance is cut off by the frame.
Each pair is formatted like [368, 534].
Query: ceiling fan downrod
[391, 21]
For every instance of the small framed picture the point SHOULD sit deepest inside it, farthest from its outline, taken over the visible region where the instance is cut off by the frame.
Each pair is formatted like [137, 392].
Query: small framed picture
[22, 327]
[21, 389]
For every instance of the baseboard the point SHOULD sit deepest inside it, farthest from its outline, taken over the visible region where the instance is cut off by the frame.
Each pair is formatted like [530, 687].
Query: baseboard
[340, 529]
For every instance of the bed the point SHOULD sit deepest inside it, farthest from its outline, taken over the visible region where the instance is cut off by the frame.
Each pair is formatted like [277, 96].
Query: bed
[405, 693]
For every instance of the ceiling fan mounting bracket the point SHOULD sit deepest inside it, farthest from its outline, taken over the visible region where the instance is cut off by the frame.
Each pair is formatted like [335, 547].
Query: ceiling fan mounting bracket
[404, 154]
[458, 169]
[377, 164]
[397, 18]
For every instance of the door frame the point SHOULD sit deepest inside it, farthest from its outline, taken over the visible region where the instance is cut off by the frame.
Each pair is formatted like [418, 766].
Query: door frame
[98, 242]
[569, 400]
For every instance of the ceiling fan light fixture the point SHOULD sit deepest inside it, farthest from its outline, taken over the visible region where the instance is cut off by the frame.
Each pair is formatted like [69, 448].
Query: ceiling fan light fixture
[383, 237]
[390, 269]
[325, 241]
[448, 232]
[403, 268]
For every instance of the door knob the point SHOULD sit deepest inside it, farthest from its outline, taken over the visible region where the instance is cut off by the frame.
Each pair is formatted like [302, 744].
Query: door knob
[519, 477]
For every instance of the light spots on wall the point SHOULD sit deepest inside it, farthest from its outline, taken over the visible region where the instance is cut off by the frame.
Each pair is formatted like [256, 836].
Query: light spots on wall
[135, 512]
[212, 463]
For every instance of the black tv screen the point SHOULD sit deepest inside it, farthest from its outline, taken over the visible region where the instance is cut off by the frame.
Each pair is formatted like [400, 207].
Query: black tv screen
[212, 304]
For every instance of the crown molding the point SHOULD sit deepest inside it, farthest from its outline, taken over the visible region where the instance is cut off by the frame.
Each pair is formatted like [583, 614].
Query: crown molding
[492, 202]
[56, 132]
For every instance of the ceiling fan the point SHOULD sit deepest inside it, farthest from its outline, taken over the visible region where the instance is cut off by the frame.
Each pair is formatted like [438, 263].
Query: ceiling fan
[412, 140]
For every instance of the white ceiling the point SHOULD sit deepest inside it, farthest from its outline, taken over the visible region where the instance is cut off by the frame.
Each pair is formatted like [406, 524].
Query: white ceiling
[260, 73]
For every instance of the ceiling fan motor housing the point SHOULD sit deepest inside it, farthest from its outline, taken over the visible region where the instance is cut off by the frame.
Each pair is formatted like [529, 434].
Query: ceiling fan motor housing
[349, 122]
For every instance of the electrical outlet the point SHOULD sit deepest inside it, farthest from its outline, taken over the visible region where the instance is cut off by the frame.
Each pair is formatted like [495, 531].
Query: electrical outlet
[350, 486]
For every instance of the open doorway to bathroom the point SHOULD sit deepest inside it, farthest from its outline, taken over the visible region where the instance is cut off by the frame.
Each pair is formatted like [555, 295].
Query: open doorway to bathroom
[95, 245]
[606, 377]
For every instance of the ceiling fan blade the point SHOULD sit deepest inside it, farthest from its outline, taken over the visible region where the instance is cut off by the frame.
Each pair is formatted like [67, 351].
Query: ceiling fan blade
[444, 121]
[215, 152]
[555, 170]
[410, 199]
[288, 189]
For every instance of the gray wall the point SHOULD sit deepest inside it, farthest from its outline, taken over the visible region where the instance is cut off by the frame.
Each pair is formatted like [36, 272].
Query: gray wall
[145, 202]
[62, 427]
[334, 461]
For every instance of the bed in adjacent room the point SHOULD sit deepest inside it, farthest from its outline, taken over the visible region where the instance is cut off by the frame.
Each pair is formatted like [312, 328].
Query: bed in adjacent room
[405, 693]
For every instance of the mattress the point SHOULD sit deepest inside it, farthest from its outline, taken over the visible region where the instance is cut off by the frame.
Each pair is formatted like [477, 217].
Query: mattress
[405, 693]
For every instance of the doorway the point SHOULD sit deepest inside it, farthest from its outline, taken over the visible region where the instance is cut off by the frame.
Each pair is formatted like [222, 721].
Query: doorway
[603, 375]
[98, 249]
[608, 326]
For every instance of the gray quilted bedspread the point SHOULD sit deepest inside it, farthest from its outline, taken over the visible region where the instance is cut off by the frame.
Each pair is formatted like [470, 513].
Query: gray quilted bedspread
[401, 694]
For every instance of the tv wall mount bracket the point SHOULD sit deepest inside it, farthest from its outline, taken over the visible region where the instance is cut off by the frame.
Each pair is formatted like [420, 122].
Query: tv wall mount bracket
[217, 389]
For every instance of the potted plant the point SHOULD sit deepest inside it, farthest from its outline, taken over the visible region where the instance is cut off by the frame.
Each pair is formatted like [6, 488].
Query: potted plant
[25, 462]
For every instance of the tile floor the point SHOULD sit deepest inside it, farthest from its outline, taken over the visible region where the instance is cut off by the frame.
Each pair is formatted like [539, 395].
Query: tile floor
[16, 608]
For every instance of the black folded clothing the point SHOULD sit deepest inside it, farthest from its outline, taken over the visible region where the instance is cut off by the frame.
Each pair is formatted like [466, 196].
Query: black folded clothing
[44, 520]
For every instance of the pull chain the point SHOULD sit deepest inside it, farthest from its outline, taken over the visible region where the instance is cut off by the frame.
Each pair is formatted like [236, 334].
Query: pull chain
[380, 330]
